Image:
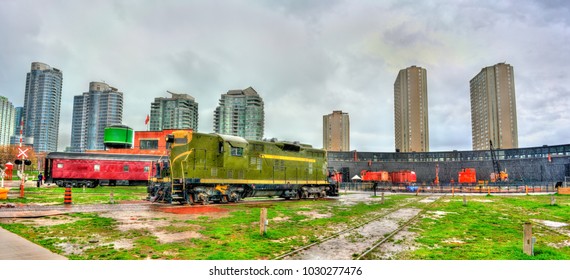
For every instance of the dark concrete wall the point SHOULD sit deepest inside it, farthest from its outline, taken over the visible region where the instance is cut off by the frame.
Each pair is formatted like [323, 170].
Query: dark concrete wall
[519, 170]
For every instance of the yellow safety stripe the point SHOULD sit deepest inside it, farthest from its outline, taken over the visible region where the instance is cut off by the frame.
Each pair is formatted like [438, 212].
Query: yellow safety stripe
[261, 182]
[287, 158]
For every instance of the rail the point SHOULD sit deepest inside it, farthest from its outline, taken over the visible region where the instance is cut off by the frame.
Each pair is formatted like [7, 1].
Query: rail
[394, 232]
[530, 187]
[334, 235]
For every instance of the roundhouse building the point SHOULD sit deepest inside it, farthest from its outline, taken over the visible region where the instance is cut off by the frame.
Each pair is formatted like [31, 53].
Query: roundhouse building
[546, 164]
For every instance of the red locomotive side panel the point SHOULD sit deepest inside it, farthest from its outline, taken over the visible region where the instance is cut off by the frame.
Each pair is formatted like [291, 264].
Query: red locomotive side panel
[90, 169]
[467, 176]
[101, 169]
[374, 176]
[403, 176]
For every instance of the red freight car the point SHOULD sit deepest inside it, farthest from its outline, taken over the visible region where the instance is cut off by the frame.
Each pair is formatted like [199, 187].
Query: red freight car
[92, 169]
[467, 176]
[403, 177]
[374, 176]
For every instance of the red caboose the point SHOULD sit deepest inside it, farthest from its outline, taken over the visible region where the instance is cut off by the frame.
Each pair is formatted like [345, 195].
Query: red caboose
[374, 176]
[90, 169]
[403, 177]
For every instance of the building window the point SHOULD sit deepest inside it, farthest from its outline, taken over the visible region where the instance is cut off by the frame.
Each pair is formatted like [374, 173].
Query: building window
[97, 167]
[126, 168]
[60, 165]
[148, 144]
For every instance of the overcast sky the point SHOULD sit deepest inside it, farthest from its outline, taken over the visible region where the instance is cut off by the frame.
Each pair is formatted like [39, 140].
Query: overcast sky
[304, 58]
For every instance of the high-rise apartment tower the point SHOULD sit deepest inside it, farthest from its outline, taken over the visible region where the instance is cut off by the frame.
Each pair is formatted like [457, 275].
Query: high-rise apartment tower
[411, 126]
[336, 132]
[180, 111]
[96, 109]
[18, 113]
[42, 102]
[240, 113]
[7, 113]
[493, 108]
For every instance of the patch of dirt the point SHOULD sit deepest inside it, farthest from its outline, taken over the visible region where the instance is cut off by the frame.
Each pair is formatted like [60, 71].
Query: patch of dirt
[46, 221]
[482, 200]
[168, 237]
[314, 214]
[279, 219]
[70, 248]
[559, 245]
[437, 214]
[551, 224]
[121, 244]
[352, 198]
[127, 220]
[428, 199]
[453, 241]
[401, 242]
[156, 222]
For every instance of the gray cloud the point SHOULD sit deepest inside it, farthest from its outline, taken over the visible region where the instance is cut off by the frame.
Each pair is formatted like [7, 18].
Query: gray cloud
[305, 58]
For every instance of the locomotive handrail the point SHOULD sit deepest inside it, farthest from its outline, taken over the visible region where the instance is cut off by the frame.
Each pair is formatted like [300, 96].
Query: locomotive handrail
[182, 165]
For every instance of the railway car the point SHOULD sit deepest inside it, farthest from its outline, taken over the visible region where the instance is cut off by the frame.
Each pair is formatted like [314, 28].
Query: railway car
[403, 177]
[205, 168]
[92, 169]
[467, 176]
[374, 176]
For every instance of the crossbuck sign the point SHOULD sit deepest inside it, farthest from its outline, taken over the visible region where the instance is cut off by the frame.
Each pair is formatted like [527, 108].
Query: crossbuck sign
[22, 154]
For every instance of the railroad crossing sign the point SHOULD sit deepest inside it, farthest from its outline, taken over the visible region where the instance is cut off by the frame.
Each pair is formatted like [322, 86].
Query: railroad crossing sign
[22, 153]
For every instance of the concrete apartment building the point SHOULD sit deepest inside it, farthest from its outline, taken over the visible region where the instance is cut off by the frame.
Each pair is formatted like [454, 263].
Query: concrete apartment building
[240, 113]
[94, 110]
[493, 108]
[336, 132]
[42, 103]
[7, 114]
[411, 126]
[15, 137]
[180, 111]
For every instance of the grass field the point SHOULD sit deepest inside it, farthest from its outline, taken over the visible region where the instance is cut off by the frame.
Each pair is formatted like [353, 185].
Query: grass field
[490, 227]
[487, 228]
[53, 195]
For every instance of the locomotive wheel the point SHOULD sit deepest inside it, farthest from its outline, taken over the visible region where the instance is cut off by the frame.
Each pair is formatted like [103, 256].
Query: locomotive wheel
[297, 196]
[204, 198]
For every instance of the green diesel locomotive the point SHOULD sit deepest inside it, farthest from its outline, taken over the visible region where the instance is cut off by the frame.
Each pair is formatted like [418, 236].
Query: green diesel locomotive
[204, 168]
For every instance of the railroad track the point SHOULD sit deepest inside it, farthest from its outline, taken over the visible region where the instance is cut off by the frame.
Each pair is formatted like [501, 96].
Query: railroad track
[394, 232]
[334, 238]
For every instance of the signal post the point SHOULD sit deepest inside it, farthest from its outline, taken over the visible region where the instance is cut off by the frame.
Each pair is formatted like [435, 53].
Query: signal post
[22, 160]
